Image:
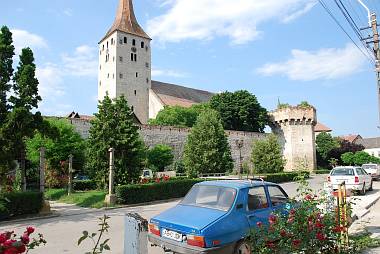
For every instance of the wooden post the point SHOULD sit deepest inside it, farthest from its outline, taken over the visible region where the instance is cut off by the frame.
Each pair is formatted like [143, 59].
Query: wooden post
[135, 236]
[23, 170]
[70, 184]
[111, 197]
[42, 169]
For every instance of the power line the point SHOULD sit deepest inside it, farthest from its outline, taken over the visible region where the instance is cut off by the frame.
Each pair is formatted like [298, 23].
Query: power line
[327, 9]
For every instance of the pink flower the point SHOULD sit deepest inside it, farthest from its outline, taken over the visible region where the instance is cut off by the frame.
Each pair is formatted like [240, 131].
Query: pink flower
[25, 239]
[3, 238]
[272, 219]
[308, 197]
[259, 224]
[29, 230]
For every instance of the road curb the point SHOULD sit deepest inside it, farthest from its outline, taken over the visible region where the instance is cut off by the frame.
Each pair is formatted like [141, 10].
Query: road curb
[364, 209]
[21, 220]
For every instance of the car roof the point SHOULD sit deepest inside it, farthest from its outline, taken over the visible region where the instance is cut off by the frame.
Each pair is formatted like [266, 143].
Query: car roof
[237, 184]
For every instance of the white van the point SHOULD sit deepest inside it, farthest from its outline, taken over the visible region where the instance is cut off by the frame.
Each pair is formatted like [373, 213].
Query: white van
[373, 170]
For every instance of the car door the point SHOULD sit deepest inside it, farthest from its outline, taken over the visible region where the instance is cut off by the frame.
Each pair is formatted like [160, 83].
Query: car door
[365, 176]
[258, 209]
[278, 198]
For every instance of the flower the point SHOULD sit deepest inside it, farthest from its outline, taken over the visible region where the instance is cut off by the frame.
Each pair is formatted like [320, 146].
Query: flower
[272, 219]
[309, 197]
[270, 244]
[320, 236]
[283, 233]
[296, 243]
[30, 230]
[259, 224]
[318, 224]
[25, 238]
[3, 238]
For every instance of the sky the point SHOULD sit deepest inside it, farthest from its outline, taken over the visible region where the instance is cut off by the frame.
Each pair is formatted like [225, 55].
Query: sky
[288, 51]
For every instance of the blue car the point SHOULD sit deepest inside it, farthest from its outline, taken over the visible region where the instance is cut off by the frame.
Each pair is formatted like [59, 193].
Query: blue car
[216, 217]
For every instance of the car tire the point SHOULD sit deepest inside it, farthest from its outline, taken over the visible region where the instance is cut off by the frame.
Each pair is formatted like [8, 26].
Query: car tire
[362, 192]
[243, 247]
[371, 187]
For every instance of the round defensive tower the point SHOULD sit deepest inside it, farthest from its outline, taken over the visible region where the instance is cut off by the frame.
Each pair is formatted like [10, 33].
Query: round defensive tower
[295, 128]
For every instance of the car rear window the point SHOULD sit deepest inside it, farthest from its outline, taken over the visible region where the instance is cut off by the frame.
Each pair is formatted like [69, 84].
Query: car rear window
[215, 197]
[369, 166]
[343, 172]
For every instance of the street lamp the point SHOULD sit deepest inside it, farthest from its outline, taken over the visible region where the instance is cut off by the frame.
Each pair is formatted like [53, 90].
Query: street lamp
[239, 145]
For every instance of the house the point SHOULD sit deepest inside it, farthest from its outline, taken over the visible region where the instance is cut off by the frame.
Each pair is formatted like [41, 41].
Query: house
[371, 145]
[352, 138]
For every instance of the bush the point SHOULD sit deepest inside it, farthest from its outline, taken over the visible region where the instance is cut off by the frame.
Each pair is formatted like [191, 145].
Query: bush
[82, 185]
[159, 157]
[55, 194]
[140, 193]
[21, 203]
[322, 171]
[285, 177]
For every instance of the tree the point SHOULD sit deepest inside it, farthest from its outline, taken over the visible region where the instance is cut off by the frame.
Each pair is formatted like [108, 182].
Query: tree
[267, 156]
[358, 158]
[348, 158]
[325, 144]
[207, 149]
[178, 116]
[240, 111]
[159, 157]
[113, 126]
[344, 147]
[58, 149]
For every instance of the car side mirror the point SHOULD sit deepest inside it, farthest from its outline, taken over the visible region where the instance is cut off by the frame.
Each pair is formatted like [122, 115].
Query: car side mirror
[239, 206]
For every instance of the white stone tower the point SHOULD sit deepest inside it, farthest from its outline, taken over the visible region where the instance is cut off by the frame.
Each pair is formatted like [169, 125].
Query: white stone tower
[295, 128]
[125, 62]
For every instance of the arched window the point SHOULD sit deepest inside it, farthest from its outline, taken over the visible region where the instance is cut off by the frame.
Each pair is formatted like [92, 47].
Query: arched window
[125, 39]
[133, 42]
[142, 44]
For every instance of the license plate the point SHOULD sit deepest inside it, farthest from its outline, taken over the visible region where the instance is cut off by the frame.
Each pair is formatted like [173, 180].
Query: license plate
[172, 235]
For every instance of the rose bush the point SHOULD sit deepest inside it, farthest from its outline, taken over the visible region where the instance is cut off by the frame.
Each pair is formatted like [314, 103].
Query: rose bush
[10, 243]
[304, 227]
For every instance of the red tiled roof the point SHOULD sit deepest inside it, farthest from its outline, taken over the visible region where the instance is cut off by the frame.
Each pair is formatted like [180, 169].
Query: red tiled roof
[351, 138]
[319, 127]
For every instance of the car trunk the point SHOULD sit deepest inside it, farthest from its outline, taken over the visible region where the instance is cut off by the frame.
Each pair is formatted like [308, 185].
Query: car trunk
[188, 219]
[338, 179]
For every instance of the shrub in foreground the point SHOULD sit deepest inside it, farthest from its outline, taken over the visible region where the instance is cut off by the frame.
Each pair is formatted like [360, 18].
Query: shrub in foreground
[21, 203]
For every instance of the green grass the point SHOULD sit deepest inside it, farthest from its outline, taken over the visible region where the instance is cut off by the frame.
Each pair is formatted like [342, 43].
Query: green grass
[94, 199]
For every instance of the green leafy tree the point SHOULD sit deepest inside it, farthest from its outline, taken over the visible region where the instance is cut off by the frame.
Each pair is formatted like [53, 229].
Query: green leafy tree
[267, 156]
[178, 116]
[325, 144]
[113, 126]
[207, 149]
[159, 157]
[304, 104]
[348, 158]
[58, 149]
[240, 111]
[359, 158]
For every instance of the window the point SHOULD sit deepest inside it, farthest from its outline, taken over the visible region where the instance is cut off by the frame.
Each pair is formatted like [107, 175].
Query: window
[360, 171]
[120, 58]
[137, 74]
[135, 57]
[142, 44]
[100, 67]
[100, 83]
[131, 56]
[108, 75]
[113, 59]
[133, 42]
[112, 41]
[147, 80]
[103, 46]
[113, 75]
[135, 92]
[121, 75]
[147, 65]
[277, 196]
[125, 39]
[107, 44]
[257, 198]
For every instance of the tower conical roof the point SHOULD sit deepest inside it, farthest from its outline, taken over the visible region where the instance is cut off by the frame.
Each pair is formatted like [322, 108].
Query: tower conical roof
[126, 21]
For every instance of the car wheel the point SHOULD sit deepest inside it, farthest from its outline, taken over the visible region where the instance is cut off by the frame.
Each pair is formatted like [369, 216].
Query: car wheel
[362, 192]
[243, 247]
[371, 187]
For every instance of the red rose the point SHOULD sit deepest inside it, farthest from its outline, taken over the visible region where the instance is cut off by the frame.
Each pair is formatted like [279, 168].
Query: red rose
[3, 238]
[272, 219]
[292, 212]
[270, 245]
[12, 250]
[259, 224]
[9, 243]
[21, 249]
[283, 233]
[308, 197]
[25, 239]
[296, 243]
[320, 236]
[318, 224]
[30, 230]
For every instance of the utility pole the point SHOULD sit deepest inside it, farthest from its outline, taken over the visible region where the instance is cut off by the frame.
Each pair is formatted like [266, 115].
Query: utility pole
[376, 52]
[70, 185]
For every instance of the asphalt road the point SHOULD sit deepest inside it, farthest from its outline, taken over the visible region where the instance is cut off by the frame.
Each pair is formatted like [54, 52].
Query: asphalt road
[63, 232]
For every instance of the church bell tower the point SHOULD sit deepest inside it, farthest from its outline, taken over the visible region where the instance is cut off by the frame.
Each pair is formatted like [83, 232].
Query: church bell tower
[125, 62]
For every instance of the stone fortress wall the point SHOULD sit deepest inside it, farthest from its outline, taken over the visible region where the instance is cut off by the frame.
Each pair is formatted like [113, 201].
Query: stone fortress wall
[176, 138]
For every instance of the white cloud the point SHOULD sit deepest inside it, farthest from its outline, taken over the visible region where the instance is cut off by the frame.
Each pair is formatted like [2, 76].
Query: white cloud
[51, 81]
[207, 19]
[326, 63]
[68, 12]
[24, 39]
[83, 62]
[167, 73]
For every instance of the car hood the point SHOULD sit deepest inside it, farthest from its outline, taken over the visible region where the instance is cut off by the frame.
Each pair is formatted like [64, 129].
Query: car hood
[189, 219]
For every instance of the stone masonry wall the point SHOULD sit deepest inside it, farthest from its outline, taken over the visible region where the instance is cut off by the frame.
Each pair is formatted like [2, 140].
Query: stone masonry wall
[176, 138]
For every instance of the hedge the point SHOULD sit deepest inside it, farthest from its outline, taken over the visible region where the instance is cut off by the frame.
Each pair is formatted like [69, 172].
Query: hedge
[322, 171]
[83, 185]
[140, 193]
[285, 176]
[20, 203]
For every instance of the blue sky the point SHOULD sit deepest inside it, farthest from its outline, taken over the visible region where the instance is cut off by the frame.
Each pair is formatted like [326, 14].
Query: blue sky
[288, 49]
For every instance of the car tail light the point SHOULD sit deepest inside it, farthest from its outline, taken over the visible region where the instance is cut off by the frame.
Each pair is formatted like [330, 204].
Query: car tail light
[329, 179]
[195, 240]
[154, 229]
[215, 242]
[356, 179]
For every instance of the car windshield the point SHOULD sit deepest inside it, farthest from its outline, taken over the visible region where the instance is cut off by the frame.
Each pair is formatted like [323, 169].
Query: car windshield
[343, 172]
[215, 197]
[369, 166]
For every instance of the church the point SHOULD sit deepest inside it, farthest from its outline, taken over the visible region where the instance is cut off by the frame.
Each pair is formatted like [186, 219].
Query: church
[125, 68]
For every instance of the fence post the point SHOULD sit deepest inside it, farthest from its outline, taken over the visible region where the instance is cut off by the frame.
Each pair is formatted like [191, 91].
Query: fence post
[111, 197]
[70, 184]
[42, 169]
[135, 235]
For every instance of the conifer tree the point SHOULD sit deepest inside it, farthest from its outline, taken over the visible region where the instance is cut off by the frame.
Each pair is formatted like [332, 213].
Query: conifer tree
[207, 149]
[114, 127]
[267, 155]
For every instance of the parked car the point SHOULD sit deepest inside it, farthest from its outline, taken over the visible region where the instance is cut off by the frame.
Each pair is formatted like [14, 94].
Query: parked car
[216, 217]
[373, 170]
[355, 178]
